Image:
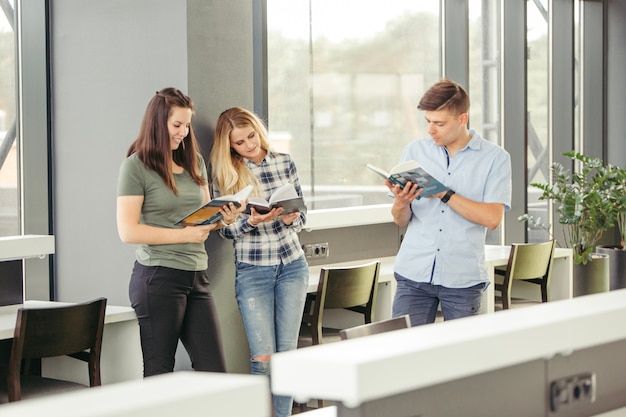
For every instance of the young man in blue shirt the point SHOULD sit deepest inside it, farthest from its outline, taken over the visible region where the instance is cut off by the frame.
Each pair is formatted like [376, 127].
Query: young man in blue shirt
[442, 256]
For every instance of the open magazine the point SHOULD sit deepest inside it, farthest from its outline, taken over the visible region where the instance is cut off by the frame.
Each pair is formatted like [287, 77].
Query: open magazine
[210, 212]
[286, 197]
[414, 172]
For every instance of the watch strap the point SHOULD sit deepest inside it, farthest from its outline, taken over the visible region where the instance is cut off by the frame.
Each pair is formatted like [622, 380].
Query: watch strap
[446, 197]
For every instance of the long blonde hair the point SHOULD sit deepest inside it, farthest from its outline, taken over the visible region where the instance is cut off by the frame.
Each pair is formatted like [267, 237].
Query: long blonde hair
[229, 171]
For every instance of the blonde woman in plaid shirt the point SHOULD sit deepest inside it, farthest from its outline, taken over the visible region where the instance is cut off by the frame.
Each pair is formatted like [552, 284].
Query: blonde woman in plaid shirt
[271, 270]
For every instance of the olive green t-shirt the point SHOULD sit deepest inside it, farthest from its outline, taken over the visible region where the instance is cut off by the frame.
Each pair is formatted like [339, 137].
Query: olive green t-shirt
[162, 208]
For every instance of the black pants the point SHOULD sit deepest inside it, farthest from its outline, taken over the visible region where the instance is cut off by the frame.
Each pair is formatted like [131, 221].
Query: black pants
[172, 304]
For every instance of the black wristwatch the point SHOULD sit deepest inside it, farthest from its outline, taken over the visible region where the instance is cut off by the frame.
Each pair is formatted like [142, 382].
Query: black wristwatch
[446, 197]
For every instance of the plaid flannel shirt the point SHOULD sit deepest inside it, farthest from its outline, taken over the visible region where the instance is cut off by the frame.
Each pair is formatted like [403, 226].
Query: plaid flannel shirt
[269, 243]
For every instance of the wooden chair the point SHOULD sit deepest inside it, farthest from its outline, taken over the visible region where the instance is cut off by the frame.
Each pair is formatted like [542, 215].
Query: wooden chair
[530, 262]
[74, 330]
[353, 288]
[396, 323]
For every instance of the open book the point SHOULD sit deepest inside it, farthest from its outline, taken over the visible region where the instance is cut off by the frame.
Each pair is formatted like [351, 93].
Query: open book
[414, 172]
[210, 212]
[286, 197]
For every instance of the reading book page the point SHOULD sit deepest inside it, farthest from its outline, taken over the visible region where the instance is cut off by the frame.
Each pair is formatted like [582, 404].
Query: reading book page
[286, 197]
[210, 212]
[411, 171]
[285, 192]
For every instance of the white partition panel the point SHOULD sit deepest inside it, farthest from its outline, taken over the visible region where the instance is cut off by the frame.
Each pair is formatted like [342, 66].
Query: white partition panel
[25, 246]
[187, 394]
[363, 370]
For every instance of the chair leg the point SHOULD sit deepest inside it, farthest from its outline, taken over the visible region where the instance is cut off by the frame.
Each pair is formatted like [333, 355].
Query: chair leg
[544, 293]
[302, 407]
[506, 299]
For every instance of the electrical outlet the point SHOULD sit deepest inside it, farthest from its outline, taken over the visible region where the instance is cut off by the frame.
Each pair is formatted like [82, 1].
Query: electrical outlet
[316, 250]
[572, 390]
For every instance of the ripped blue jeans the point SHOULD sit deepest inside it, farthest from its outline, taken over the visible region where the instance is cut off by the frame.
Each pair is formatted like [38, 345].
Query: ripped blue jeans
[271, 302]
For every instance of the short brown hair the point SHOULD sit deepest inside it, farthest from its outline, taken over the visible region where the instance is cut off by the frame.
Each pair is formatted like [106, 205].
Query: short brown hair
[445, 95]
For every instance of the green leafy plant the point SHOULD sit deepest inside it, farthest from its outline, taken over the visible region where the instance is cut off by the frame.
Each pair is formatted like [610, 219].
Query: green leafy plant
[583, 202]
[617, 196]
[536, 223]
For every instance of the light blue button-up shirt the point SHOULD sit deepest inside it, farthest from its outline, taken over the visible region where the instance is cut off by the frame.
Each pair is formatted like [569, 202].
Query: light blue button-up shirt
[441, 246]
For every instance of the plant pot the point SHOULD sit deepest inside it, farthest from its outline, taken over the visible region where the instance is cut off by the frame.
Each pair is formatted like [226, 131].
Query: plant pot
[593, 277]
[617, 265]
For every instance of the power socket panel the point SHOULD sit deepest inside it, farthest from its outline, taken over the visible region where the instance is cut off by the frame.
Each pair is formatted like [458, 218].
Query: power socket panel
[572, 391]
[316, 250]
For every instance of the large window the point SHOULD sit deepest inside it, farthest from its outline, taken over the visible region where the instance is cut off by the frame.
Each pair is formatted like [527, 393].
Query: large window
[344, 81]
[9, 224]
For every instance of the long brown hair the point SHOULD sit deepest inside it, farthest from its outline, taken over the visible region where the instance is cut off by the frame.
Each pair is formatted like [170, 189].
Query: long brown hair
[229, 171]
[152, 145]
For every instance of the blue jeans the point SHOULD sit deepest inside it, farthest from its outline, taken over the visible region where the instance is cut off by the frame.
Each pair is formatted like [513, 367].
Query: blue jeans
[420, 301]
[271, 302]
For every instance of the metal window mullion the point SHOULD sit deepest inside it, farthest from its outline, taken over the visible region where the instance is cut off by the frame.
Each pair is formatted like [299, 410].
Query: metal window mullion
[592, 135]
[513, 121]
[561, 87]
[455, 40]
[34, 143]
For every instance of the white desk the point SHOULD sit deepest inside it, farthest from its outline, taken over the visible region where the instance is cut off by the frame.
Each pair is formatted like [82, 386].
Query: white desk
[189, 394]
[560, 285]
[19, 248]
[121, 358]
[382, 366]
[25, 246]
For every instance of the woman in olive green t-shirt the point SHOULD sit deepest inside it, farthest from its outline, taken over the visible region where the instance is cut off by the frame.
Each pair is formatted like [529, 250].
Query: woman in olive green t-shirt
[162, 179]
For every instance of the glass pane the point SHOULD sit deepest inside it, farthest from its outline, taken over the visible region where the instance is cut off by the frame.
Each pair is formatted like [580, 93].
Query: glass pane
[484, 71]
[344, 81]
[538, 162]
[484, 75]
[9, 224]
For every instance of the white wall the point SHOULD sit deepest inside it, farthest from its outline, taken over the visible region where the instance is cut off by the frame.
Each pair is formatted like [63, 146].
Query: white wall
[108, 60]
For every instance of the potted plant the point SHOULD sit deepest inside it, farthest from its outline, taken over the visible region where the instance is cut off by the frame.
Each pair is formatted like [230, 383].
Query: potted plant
[616, 194]
[585, 213]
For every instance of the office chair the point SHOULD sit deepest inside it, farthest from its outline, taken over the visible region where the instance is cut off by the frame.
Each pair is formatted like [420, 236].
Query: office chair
[396, 323]
[353, 288]
[530, 262]
[74, 330]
